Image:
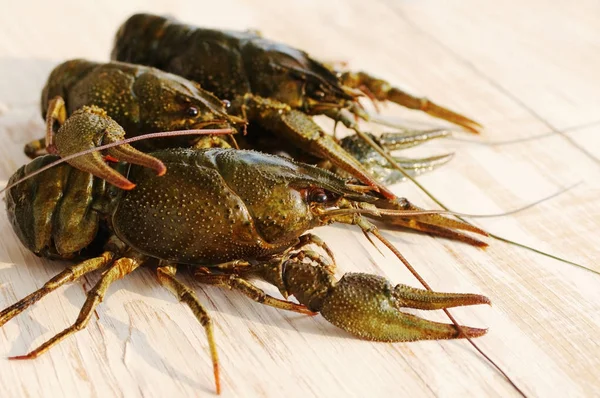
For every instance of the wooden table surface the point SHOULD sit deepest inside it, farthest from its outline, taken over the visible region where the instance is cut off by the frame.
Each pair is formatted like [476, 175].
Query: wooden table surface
[523, 69]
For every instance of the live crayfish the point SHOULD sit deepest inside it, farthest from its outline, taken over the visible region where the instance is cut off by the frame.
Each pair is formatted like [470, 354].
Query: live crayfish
[246, 67]
[230, 215]
[231, 64]
[272, 85]
[142, 99]
[266, 236]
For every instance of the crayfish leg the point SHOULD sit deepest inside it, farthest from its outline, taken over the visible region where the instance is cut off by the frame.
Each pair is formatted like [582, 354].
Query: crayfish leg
[70, 274]
[381, 90]
[120, 268]
[234, 282]
[312, 239]
[166, 276]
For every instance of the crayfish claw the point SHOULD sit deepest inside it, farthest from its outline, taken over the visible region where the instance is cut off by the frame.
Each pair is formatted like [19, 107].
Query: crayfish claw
[438, 111]
[408, 138]
[127, 153]
[435, 224]
[381, 90]
[379, 166]
[89, 128]
[95, 164]
[369, 306]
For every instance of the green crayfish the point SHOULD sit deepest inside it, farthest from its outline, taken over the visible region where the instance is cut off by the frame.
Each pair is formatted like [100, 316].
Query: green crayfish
[229, 215]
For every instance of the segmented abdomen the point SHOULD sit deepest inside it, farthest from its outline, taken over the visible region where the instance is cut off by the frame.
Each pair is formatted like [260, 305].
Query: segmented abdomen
[54, 213]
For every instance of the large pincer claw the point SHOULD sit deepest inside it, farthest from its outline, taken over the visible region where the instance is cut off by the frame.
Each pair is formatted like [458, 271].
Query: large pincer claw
[370, 307]
[90, 127]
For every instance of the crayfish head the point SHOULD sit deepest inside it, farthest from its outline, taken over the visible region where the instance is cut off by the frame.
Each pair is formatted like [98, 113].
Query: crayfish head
[323, 95]
[169, 102]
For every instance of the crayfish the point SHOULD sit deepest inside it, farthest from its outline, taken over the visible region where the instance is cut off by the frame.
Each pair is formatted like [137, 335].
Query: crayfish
[246, 67]
[274, 87]
[229, 215]
[231, 64]
[130, 100]
[146, 100]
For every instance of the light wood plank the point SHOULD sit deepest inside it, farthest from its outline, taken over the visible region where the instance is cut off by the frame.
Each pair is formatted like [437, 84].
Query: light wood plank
[521, 69]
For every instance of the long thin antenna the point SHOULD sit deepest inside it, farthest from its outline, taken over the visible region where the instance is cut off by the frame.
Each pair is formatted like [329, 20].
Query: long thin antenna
[395, 165]
[395, 212]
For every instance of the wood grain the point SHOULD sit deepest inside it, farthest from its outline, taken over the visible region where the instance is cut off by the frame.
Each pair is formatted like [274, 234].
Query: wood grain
[521, 69]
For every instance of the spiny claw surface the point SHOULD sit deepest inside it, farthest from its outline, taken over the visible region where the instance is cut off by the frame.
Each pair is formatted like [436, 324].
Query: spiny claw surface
[409, 138]
[90, 127]
[370, 307]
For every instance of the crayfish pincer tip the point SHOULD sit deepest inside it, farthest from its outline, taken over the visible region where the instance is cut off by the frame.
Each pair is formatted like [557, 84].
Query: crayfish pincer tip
[472, 332]
[94, 163]
[127, 187]
[161, 171]
[19, 357]
[127, 153]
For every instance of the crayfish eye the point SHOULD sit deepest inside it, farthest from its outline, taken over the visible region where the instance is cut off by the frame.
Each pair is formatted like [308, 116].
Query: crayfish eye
[226, 104]
[319, 94]
[317, 195]
[192, 111]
